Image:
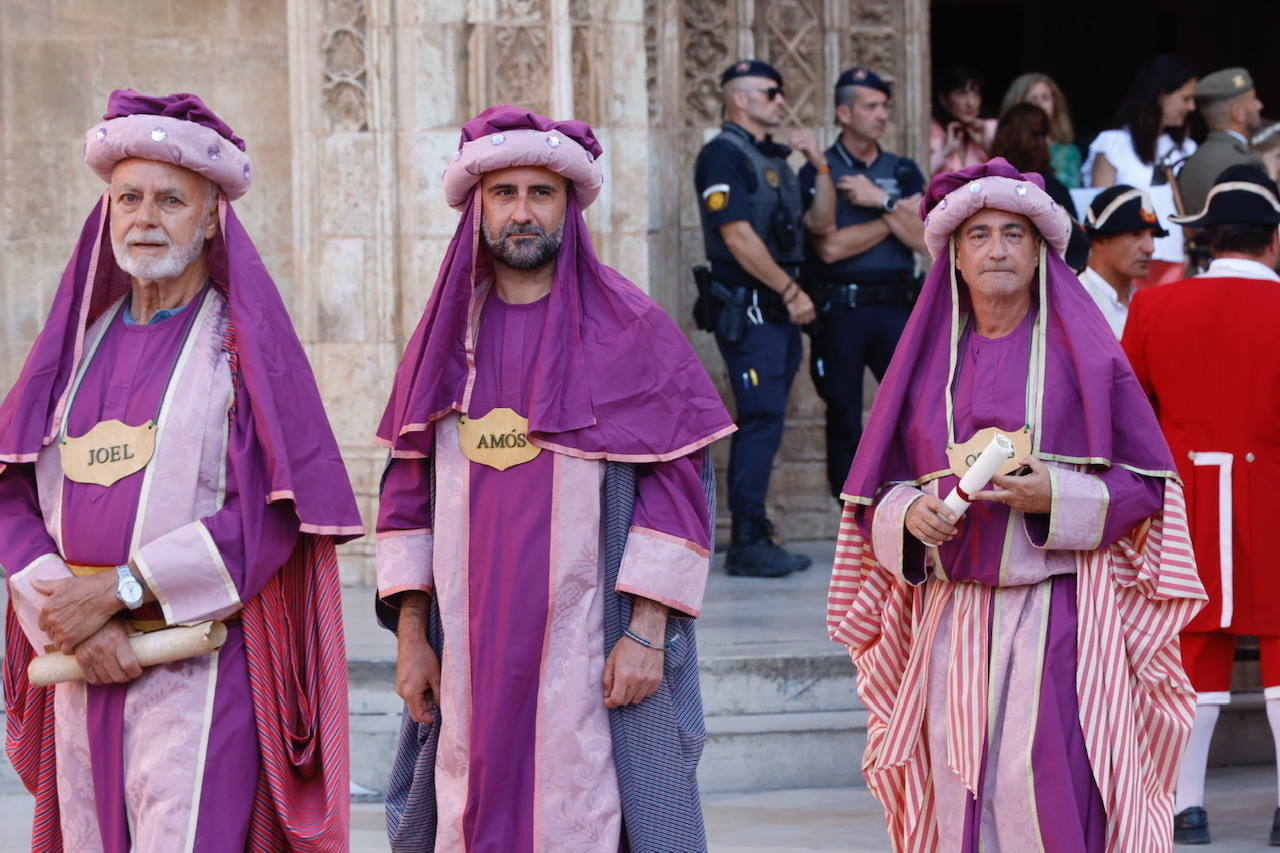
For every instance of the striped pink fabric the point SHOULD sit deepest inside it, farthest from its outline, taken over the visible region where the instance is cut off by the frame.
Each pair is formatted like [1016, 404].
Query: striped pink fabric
[298, 678]
[1136, 703]
[29, 736]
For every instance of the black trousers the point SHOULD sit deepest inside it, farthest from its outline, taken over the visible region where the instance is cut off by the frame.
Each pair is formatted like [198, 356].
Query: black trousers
[847, 341]
[762, 366]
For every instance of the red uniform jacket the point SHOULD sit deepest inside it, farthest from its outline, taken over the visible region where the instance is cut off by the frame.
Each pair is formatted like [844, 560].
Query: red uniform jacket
[1207, 351]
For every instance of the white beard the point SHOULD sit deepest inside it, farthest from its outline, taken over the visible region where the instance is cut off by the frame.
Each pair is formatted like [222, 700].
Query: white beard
[169, 265]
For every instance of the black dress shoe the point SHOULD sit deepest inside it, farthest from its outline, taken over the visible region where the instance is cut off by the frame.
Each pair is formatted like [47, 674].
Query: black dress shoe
[1191, 826]
[1274, 841]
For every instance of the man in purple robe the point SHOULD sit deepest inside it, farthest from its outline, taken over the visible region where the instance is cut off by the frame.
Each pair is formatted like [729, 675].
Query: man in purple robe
[533, 721]
[165, 461]
[1020, 663]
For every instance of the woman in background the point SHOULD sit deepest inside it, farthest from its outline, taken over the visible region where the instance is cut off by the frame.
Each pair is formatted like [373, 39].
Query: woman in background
[1022, 138]
[958, 135]
[1150, 136]
[1039, 89]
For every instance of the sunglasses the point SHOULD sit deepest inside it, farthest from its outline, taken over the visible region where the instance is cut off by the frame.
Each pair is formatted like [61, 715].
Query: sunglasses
[771, 93]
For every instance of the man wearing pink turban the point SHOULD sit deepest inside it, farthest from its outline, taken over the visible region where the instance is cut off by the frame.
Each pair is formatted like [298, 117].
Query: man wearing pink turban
[165, 461]
[545, 525]
[1019, 663]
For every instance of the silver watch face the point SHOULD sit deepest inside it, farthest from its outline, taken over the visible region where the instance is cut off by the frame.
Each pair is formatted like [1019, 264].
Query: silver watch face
[129, 592]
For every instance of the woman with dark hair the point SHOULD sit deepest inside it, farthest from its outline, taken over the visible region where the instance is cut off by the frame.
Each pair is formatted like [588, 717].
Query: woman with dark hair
[958, 135]
[1150, 128]
[1022, 138]
[1150, 135]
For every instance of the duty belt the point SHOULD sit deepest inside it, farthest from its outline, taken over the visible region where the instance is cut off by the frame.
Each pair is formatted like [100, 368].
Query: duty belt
[853, 295]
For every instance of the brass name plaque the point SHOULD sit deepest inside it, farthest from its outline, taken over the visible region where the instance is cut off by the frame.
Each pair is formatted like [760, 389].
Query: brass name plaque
[962, 456]
[500, 439]
[109, 452]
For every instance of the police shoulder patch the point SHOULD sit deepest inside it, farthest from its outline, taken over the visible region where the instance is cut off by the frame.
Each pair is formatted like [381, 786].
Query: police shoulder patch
[716, 197]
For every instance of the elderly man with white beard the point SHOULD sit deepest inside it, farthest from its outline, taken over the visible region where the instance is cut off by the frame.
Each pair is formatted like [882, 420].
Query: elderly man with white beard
[164, 462]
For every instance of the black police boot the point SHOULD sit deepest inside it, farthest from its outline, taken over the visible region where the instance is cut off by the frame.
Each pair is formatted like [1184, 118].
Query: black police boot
[1191, 826]
[1274, 841]
[752, 554]
[797, 562]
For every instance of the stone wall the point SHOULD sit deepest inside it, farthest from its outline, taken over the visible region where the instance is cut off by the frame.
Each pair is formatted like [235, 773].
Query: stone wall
[58, 62]
[351, 109]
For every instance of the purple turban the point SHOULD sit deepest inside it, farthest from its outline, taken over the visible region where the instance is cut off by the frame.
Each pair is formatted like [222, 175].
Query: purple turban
[177, 129]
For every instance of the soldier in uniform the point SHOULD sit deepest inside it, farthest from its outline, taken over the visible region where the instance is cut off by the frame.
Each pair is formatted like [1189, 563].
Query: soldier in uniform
[1205, 351]
[1122, 226]
[861, 272]
[749, 201]
[1231, 109]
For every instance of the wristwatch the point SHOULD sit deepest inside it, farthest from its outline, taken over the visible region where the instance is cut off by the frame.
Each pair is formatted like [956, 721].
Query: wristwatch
[889, 203]
[128, 590]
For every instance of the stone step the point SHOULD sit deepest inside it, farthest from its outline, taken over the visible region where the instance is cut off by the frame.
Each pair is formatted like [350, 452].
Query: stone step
[1243, 735]
[765, 752]
[777, 684]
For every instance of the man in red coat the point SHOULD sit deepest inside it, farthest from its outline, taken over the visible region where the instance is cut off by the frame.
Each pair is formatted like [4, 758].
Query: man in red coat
[1205, 351]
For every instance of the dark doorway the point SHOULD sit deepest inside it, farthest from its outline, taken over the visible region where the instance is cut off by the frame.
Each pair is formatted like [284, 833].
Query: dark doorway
[1093, 48]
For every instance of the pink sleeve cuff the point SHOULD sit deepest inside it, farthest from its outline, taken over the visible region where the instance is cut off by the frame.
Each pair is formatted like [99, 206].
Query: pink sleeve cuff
[27, 603]
[186, 572]
[889, 533]
[404, 562]
[1078, 513]
[665, 569]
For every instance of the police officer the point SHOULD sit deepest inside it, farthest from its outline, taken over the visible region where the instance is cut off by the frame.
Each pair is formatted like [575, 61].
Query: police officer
[749, 200]
[861, 271]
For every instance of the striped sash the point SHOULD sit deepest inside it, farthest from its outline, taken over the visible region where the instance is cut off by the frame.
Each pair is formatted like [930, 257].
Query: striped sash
[1136, 704]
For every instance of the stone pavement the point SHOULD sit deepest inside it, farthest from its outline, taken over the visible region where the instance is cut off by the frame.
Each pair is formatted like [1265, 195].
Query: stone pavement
[1241, 801]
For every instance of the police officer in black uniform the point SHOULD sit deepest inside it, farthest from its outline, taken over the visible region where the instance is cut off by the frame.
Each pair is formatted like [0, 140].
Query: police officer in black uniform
[861, 268]
[750, 204]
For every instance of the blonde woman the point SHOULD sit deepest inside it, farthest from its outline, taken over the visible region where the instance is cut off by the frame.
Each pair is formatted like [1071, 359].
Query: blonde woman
[1039, 89]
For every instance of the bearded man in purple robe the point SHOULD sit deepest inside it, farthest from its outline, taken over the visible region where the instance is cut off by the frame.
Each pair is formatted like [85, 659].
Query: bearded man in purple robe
[545, 525]
[165, 461]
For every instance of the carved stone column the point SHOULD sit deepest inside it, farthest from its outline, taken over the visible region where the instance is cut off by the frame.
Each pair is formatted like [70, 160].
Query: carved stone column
[345, 219]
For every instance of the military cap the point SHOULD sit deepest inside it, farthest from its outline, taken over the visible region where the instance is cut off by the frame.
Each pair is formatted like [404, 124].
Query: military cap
[858, 76]
[1120, 209]
[1226, 83]
[1242, 194]
[750, 68]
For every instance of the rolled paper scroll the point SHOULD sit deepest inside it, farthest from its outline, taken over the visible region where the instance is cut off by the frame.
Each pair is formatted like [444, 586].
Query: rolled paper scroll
[156, 647]
[980, 473]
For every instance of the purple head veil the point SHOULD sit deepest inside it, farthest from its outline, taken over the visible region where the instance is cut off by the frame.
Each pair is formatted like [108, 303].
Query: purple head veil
[1086, 405]
[613, 376]
[302, 458]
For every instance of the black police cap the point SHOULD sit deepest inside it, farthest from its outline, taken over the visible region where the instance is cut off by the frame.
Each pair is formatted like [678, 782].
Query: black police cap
[1241, 195]
[1120, 209]
[859, 76]
[750, 68]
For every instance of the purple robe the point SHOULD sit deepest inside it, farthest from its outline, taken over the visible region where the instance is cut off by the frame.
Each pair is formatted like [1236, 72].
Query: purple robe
[1035, 786]
[173, 753]
[525, 759]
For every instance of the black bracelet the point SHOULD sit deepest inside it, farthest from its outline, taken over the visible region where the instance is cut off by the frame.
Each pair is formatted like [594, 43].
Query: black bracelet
[627, 632]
